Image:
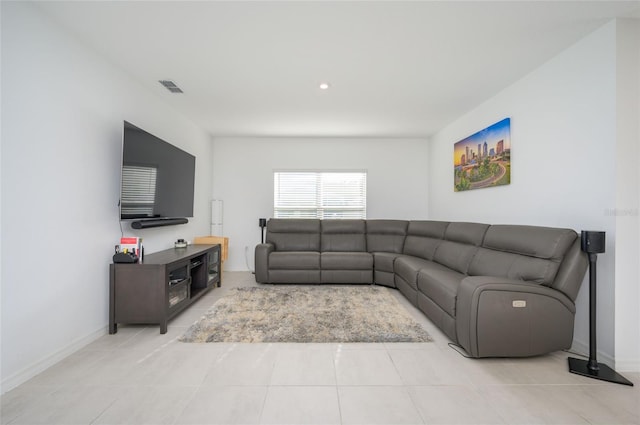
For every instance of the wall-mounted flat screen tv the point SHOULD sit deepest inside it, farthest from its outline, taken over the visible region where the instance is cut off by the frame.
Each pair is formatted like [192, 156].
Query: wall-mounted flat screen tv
[157, 177]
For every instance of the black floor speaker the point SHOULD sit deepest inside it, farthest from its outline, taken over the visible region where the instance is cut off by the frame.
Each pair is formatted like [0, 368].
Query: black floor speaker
[593, 243]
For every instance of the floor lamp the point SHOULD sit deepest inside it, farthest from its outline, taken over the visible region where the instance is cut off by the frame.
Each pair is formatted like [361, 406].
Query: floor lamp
[593, 244]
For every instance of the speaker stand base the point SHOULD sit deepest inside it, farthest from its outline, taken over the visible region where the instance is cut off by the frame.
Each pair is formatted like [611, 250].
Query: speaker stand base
[604, 372]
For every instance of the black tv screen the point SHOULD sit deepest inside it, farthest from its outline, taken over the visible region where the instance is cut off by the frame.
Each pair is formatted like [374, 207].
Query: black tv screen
[157, 177]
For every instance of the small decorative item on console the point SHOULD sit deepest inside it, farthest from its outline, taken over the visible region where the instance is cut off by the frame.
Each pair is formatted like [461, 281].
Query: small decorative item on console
[125, 257]
[180, 243]
[130, 250]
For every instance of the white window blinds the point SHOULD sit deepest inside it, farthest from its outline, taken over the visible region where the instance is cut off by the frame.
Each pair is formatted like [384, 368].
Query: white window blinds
[320, 194]
[138, 195]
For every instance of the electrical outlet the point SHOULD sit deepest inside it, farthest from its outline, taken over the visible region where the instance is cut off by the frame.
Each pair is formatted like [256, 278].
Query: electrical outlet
[519, 303]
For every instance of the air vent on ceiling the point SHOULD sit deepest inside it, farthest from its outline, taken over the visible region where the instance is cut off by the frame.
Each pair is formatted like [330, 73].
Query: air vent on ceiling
[171, 86]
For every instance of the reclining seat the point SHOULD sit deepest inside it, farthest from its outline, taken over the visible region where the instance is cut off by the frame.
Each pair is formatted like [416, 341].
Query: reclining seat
[423, 237]
[519, 297]
[293, 252]
[438, 282]
[344, 257]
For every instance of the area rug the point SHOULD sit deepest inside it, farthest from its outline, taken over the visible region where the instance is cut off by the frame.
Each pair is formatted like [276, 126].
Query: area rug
[307, 314]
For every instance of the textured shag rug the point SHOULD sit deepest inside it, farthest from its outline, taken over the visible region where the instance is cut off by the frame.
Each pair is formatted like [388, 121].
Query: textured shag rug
[307, 314]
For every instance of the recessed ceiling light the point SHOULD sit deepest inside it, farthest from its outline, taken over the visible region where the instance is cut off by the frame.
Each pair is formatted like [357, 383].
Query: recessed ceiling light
[324, 86]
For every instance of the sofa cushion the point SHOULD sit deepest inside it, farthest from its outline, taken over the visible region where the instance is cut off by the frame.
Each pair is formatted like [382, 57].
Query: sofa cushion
[423, 237]
[383, 261]
[294, 276]
[432, 229]
[466, 233]
[343, 235]
[441, 286]
[346, 261]
[407, 268]
[522, 252]
[294, 260]
[540, 242]
[346, 276]
[488, 262]
[456, 256]
[386, 235]
[294, 235]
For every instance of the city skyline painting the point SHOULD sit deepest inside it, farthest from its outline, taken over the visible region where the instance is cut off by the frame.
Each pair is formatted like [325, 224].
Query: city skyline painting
[484, 158]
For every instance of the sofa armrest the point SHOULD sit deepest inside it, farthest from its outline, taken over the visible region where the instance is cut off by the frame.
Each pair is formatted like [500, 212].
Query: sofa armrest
[262, 261]
[500, 317]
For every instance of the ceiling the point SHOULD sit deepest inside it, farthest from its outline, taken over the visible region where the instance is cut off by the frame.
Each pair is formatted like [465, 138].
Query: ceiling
[395, 68]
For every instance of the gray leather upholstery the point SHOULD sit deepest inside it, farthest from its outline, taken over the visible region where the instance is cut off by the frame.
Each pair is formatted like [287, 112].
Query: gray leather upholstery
[497, 290]
[488, 262]
[295, 260]
[294, 235]
[466, 233]
[423, 237]
[383, 263]
[262, 254]
[386, 235]
[385, 239]
[455, 255]
[441, 286]
[346, 276]
[346, 261]
[343, 236]
[567, 280]
[437, 315]
[408, 267]
[488, 324]
[534, 241]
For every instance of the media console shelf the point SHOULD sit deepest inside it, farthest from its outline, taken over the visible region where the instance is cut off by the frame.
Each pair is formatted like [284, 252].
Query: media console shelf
[162, 286]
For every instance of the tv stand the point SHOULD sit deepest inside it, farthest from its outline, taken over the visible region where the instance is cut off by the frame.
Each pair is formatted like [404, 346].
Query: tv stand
[157, 222]
[162, 286]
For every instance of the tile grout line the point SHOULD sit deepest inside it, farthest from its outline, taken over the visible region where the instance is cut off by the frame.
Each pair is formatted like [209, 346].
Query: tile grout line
[335, 377]
[405, 387]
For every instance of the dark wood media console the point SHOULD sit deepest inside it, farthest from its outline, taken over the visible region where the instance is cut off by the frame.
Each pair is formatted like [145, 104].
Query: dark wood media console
[165, 283]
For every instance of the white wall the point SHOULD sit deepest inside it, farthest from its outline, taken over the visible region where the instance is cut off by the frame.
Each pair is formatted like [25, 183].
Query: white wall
[243, 178]
[627, 262]
[62, 113]
[563, 144]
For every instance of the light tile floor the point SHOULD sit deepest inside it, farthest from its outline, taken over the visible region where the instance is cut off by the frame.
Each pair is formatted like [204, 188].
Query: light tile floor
[141, 377]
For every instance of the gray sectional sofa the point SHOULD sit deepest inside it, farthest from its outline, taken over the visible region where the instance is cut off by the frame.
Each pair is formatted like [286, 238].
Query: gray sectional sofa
[496, 290]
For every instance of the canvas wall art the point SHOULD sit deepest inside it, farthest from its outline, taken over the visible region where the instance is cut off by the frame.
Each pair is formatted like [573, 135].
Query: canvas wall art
[484, 158]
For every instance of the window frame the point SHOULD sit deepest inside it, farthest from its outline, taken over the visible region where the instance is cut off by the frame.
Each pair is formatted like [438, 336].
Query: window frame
[320, 209]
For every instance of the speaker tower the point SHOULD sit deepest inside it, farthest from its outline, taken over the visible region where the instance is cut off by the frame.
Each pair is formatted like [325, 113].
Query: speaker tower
[593, 243]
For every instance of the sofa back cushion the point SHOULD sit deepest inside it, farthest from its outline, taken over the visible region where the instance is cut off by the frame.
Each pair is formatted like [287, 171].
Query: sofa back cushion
[294, 234]
[535, 241]
[460, 244]
[423, 237]
[386, 235]
[529, 253]
[466, 233]
[343, 235]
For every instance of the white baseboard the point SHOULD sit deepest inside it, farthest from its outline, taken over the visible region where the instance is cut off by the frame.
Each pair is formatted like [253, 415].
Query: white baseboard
[620, 365]
[583, 348]
[41, 365]
[628, 365]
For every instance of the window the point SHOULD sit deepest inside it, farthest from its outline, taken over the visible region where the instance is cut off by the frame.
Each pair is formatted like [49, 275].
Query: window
[320, 194]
